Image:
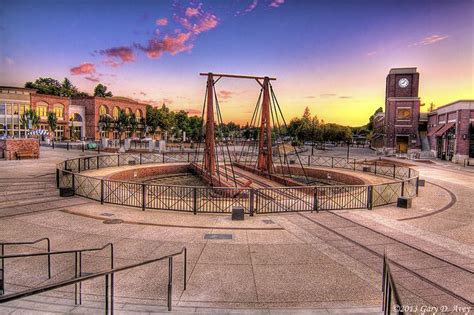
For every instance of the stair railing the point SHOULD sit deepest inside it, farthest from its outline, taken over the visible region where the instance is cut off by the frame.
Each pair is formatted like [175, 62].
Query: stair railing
[2, 262]
[109, 282]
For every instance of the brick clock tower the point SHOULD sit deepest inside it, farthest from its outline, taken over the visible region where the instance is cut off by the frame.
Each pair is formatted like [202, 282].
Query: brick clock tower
[402, 111]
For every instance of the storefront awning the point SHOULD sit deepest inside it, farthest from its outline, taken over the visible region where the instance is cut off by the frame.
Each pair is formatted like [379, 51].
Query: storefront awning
[434, 130]
[445, 128]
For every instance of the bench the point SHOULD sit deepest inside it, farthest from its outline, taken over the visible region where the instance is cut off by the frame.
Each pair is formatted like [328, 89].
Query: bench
[26, 154]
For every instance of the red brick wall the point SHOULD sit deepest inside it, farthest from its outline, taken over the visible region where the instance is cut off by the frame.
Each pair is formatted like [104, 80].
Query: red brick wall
[11, 146]
[148, 171]
[462, 128]
[92, 105]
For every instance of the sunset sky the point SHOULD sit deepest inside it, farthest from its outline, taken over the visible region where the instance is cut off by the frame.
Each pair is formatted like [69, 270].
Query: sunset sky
[332, 55]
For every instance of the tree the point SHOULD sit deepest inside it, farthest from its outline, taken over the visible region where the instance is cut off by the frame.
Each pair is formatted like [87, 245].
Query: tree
[29, 119]
[52, 86]
[52, 122]
[105, 123]
[122, 123]
[370, 124]
[165, 118]
[195, 127]
[133, 123]
[151, 120]
[181, 122]
[101, 91]
[48, 86]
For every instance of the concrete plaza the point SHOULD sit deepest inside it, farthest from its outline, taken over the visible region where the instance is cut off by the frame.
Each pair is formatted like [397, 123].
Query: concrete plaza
[280, 263]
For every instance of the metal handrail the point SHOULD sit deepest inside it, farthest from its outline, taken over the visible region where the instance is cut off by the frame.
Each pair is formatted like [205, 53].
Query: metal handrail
[389, 288]
[77, 263]
[2, 253]
[109, 279]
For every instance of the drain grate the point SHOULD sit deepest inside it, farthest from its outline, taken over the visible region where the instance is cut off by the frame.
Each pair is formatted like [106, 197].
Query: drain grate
[268, 222]
[106, 214]
[112, 221]
[218, 236]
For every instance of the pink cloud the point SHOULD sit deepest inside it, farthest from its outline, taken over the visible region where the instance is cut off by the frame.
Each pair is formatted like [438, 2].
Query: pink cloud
[276, 3]
[170, 44]
[93, 79]
[430, 40]
[251, 6]
[162, 22]
[117, 56]
[192, 12]
[371, 53]
[85, 68]
[193, 112]
[196, 20]
[223, 94]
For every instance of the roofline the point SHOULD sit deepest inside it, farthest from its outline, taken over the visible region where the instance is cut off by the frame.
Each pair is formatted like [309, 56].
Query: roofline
[18, 88]
[458, 101]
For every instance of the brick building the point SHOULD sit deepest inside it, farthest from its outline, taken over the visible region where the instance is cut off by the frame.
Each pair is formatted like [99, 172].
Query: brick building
[377, 140]
[451, 131]
[15, 101]
[402, 111]
[95, 107]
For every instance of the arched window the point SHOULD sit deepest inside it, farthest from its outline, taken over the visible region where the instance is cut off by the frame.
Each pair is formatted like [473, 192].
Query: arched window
[103, 110]
[76, 117]
[115, 112]
[138, 114]
[42, 109]
[59, 110]
[128, 111]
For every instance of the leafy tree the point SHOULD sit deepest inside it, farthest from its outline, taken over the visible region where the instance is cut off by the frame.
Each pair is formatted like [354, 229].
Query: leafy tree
[133, 123]
[181, 122]
[29, 116]
[48, 86]
[151, 120]
[165, 118]
[105, 123]
[122, 123]
[101, 91]
[52, 86]
[370, 124]
[195, 127]
[52, 122]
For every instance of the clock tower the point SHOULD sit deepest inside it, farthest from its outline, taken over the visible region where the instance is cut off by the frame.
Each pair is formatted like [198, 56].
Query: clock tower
[402, 111]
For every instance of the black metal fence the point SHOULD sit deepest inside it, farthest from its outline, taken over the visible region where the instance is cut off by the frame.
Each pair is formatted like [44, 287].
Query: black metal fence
[221, 200]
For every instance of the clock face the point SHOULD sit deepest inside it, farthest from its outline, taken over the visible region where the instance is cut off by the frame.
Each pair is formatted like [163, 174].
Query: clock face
[403, 83]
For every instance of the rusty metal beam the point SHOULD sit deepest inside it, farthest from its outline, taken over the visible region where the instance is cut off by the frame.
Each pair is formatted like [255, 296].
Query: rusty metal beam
[210, 145]
[265, 154]
[238, 76]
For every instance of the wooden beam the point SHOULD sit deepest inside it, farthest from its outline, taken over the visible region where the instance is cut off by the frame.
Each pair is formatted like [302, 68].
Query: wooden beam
[238, 76]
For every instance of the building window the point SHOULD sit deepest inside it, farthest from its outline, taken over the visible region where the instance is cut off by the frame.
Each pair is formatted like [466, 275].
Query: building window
[138, 114]
[115, 112]
[128, 111]
[42, 109]
[102, 110]
[59, 111]
[403, 113]
[23, 109]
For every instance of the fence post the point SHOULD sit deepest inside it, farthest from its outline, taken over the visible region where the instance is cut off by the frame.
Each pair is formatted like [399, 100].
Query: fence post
[102, 191]
[251, 201]
[73, 185]
[143, 197]
[354, 164]
[417, 179]
[67, 146]
[79, 165]
[332, 162]
[369, 196]
[375, 172]
[394, 170]
[315, 200]
[82, 146]
[170, 281]
[309, 160]
[57, 178]
[403, 188]
[53, 144]
[409, 172]
[118, 159]
[163, 157]
[195, 200]
[140, 159]
[98, 162]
